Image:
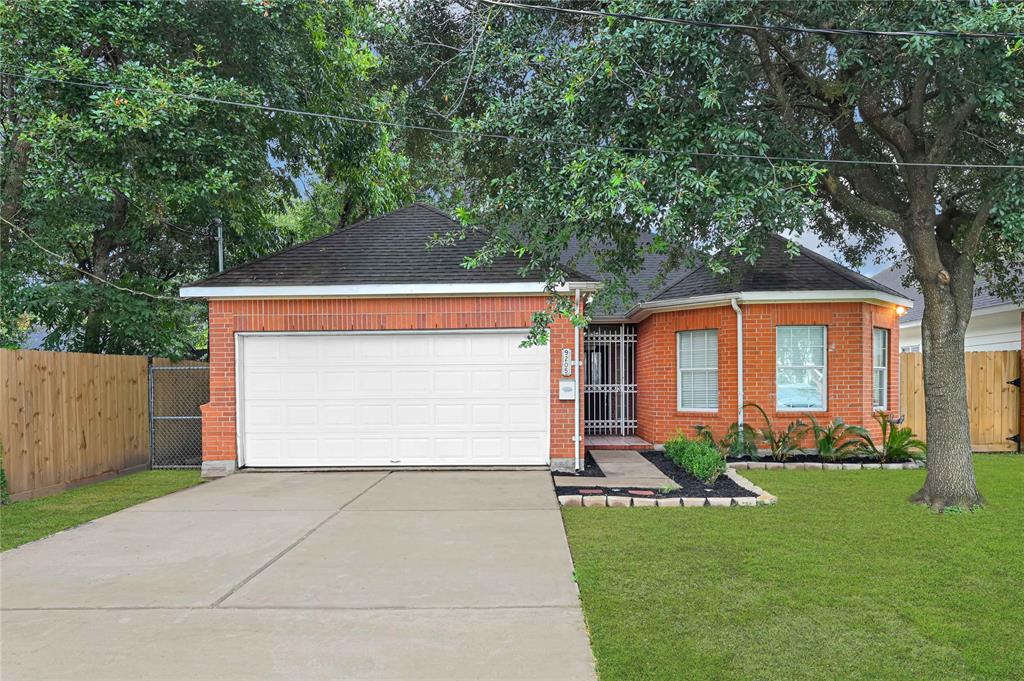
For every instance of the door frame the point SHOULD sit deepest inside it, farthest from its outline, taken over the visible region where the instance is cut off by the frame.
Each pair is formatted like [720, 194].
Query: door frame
[240, 337]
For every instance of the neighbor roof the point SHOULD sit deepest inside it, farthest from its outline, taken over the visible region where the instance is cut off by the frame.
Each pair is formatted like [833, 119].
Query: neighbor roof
[389, 249]
[893, 277]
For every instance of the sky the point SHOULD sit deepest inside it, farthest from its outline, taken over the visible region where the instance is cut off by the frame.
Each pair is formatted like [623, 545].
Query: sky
[870, 268]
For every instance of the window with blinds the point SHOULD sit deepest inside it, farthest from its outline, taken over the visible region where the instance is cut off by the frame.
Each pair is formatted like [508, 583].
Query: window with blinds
[697, 359]
[800, 368]
[880, 369]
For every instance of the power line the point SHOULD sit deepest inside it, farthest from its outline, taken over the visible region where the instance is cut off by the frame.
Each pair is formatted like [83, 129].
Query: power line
[60, 261]
[968, 35]
[527, 140]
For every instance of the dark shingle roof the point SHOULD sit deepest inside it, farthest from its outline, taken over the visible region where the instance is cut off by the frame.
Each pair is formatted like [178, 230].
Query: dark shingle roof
[392, 249]
[645, 281]
[775, 270]
[893, 278]
[389, 249]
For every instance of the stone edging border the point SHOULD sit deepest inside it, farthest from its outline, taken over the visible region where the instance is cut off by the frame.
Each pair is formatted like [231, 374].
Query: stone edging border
[616, 501]
[797, 465]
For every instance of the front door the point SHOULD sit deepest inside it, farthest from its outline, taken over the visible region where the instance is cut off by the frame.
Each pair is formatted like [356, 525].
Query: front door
[609, 388]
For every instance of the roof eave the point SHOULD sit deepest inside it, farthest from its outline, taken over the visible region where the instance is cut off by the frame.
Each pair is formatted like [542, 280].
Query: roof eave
[384, 290]
[644, 310]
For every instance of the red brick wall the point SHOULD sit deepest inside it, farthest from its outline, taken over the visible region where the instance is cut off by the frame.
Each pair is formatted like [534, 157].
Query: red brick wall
[364, 314]
[849, 364]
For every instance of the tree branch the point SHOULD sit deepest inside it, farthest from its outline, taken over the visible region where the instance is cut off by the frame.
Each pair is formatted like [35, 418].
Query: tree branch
[943, 142]
[837, 191]
[898, 135]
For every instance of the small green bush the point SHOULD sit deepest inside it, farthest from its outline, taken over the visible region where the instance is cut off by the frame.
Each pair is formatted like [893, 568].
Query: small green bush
[699, 458]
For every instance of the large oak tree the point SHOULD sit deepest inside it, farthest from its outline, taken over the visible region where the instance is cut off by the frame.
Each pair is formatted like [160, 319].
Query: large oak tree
[602, 129]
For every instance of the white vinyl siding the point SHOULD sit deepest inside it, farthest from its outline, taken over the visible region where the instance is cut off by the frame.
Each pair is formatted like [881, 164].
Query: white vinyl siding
[697, 359]
[800, 368]
[880, 369]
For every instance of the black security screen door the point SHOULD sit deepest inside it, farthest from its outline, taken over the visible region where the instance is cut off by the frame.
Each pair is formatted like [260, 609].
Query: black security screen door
[609, 388]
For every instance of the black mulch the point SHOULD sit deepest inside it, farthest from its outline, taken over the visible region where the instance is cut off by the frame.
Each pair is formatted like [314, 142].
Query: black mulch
[590, 469]
[689, 486]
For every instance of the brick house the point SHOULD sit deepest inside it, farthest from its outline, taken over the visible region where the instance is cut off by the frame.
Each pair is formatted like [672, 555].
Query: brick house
[366, 348]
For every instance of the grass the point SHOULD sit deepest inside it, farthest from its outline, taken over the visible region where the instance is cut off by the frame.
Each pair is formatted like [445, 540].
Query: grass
[25, 521]
[843, 579]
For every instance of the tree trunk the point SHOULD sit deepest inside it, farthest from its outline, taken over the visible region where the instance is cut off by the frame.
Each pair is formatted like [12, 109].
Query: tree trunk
[950, 478]
[93, 330]
[102, 245]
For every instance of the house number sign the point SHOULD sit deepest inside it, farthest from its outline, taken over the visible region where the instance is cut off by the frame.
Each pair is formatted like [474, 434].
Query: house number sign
[566, 362]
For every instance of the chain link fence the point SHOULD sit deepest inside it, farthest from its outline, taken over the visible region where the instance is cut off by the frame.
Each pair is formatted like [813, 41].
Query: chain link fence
[175, 423]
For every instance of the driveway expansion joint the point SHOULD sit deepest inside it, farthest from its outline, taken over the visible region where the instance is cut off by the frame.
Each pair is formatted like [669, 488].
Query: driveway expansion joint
[295, 543]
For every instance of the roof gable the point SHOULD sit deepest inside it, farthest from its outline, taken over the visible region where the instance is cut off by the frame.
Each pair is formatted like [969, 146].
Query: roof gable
[775, 270]
[388, 249]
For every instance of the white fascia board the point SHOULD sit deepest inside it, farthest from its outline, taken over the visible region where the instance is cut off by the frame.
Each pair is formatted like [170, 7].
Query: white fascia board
[581, 286]
[644, 310]
[383, 290]
[362, 290]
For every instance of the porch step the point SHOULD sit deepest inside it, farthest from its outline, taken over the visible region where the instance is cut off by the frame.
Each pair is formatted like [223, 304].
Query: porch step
[631, 442]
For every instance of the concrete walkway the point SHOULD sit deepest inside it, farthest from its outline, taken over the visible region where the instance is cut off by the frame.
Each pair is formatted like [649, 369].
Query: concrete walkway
[622, 468]
[361, 575]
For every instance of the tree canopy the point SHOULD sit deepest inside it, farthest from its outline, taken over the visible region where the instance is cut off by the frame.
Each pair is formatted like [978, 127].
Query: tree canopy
[713, 124]
[111, 179]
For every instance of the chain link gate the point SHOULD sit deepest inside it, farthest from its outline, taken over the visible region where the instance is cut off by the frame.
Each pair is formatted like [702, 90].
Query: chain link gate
[175, 423]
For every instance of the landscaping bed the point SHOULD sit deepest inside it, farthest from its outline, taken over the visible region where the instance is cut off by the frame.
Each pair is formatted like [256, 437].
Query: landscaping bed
[689, 486]
[590, 469]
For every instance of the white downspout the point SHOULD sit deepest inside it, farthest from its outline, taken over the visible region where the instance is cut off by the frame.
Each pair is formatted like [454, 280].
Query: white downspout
[576, 393]
[739, 360]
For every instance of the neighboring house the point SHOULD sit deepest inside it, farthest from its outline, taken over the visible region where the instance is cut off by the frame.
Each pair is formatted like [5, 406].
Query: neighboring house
[995, 322]
[365, 348]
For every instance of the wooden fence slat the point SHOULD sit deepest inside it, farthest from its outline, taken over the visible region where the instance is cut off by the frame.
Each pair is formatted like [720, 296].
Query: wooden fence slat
[993, 404]
[68, 417]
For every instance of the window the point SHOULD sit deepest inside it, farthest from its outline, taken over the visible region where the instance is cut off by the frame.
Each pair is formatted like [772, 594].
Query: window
[880, 369]
[800, 374]
[697, 353]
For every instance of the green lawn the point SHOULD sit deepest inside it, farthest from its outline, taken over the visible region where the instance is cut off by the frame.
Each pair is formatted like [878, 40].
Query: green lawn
[25, 521]
[843, 579]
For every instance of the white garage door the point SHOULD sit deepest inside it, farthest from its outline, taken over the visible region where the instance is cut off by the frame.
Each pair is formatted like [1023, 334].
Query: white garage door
[393, 399]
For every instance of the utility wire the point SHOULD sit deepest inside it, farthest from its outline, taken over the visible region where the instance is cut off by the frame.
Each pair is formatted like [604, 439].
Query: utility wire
[968, 35]
[60, 261]
[527, 140]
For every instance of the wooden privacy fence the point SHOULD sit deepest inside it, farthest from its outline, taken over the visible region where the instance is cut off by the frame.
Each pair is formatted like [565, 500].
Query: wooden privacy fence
[993, 402]
[68, 417]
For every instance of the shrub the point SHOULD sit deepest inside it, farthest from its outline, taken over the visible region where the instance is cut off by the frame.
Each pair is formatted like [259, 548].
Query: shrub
[697, 457]
[781, 443]
[898, 442]
[738, 441]
[836, 439]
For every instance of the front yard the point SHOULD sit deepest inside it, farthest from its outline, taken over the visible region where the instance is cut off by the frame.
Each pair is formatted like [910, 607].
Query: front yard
[25, 521]
[841, 580]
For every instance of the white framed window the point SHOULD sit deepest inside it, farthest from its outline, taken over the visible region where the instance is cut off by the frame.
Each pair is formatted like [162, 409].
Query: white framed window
[697, 360]
[801, 371]
[880, 368]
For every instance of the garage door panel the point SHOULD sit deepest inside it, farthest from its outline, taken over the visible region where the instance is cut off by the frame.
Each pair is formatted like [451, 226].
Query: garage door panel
[451, 382]
[427, 399]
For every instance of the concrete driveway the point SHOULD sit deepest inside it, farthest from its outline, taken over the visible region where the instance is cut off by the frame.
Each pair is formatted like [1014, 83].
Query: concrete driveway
[361, 575]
